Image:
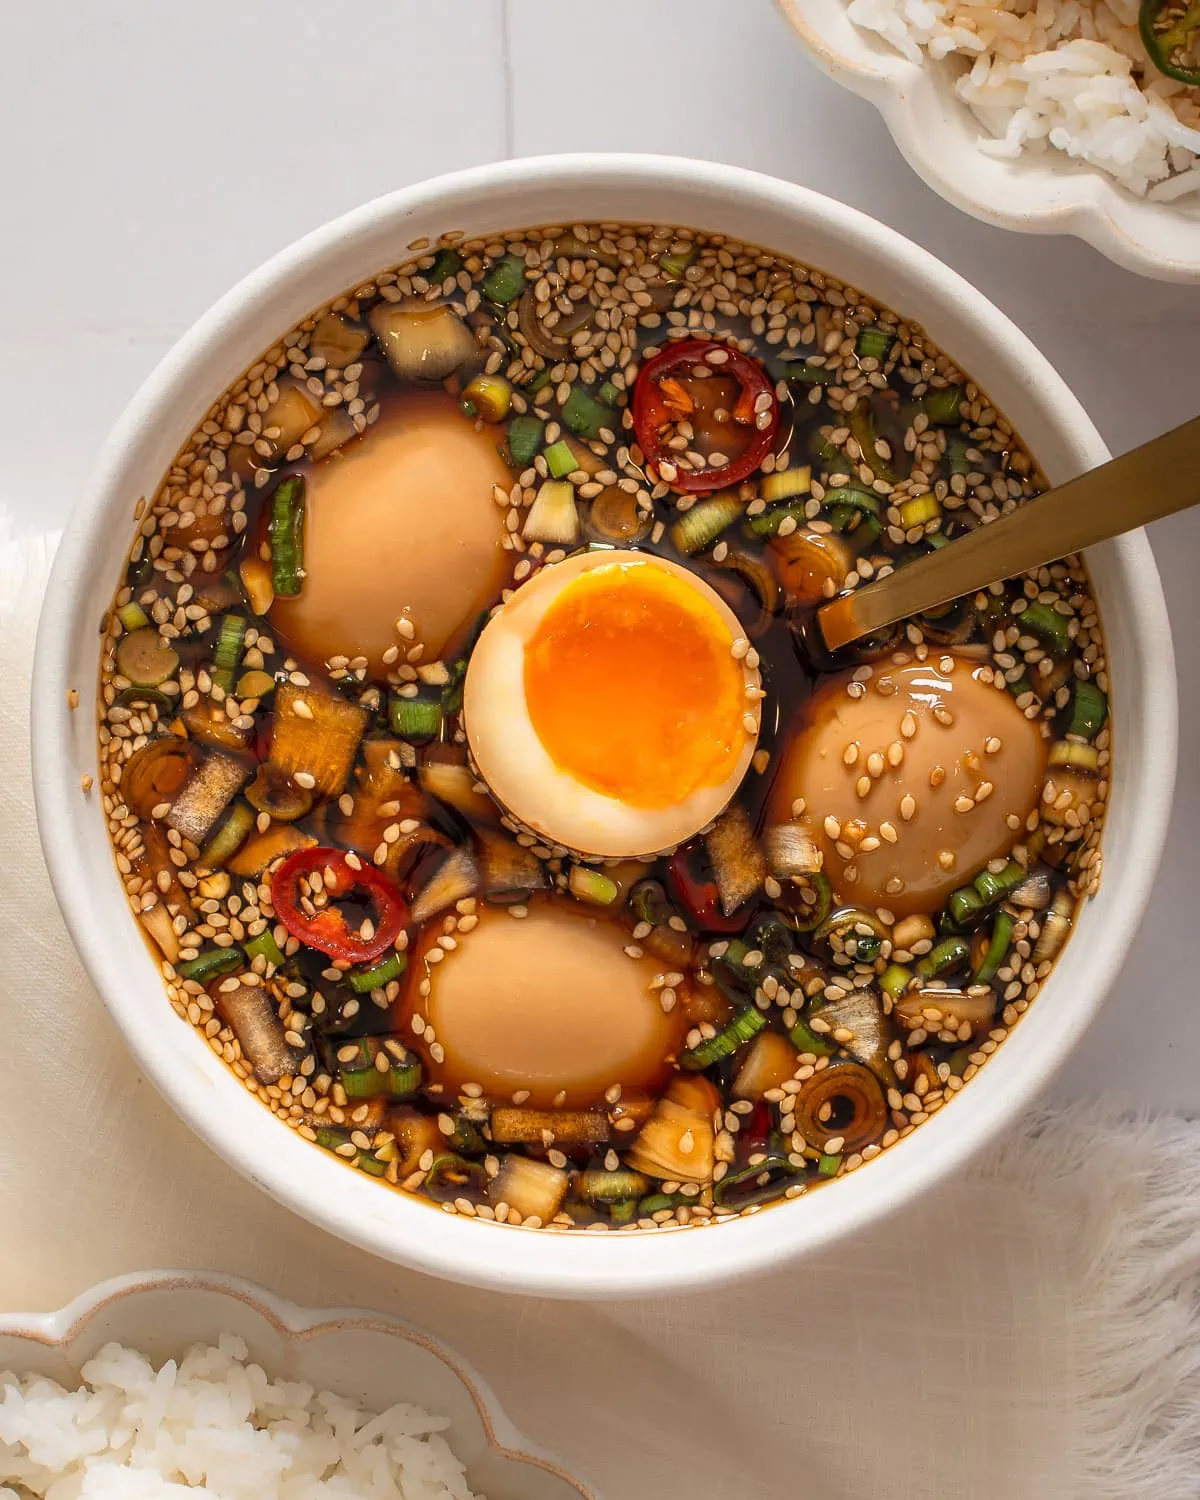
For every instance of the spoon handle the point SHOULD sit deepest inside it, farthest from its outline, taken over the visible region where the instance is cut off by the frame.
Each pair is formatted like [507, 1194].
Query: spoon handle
[1155, 480]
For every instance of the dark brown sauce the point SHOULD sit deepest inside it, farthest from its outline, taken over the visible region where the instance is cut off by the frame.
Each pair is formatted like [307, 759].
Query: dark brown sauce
[715, 989]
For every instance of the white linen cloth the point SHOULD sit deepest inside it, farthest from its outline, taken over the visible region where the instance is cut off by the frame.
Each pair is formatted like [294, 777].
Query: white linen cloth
[1029, 1330]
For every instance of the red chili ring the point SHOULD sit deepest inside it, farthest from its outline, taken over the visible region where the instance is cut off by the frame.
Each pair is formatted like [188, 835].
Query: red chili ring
[651, 412]
[327, 930]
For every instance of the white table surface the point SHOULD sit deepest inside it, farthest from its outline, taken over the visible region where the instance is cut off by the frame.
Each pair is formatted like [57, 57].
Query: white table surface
[153, 153]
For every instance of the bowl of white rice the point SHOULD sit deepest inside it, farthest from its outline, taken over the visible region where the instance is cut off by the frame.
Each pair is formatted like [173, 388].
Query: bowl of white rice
[1046, 116]
[152, 1387]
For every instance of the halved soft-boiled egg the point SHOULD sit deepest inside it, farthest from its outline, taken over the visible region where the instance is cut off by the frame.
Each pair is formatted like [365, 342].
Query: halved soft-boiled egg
[555, 1007]
[609, 705]
[914, 780]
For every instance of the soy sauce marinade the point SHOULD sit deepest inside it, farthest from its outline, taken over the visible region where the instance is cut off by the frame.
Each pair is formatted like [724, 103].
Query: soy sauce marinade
[323, 874]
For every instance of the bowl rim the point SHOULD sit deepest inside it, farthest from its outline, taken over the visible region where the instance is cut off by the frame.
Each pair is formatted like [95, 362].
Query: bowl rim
[59, 1328]
[535, 1262]
[1056, 196]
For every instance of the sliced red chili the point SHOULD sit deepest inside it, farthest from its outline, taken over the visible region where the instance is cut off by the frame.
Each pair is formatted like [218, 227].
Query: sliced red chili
[696, 889]
[324, 927]
[666, 393]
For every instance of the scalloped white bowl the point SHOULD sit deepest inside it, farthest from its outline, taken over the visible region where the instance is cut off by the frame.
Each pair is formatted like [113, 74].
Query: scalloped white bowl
[565, 190]
[1039, 193]
[368, 1357]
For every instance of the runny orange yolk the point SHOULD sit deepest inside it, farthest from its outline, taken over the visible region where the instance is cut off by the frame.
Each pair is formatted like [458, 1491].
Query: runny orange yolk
[631, 688]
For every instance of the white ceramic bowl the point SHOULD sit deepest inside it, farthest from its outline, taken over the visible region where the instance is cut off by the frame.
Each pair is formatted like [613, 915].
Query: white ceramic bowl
[1042, 193]
[368, 1357]
[227, 339]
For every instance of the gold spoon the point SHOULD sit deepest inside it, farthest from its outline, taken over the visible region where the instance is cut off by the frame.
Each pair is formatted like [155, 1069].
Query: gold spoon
[1155, 480]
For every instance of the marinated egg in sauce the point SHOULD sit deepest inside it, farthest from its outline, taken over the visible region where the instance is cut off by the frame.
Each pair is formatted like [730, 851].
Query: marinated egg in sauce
[550, 1006]
[609, 705]
[403, 522]
[913, 780]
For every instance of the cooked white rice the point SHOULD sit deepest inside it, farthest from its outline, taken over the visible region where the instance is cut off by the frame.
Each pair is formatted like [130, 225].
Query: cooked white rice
[1065, 75]
[212, 1424]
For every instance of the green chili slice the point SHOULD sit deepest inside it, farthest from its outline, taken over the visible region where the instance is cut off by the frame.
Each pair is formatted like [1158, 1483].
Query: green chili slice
[286, 536]
[1164, 41]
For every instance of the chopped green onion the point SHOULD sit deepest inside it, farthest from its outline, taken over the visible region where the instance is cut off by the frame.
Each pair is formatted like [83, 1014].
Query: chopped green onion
[583, 415]
[919, 511]
[381, 974]
[744, 1027]
[1087, 711]
[255, 684]
[537, 382]
[942, 404]
[362, 1078]
[133, 616]
[805, 1039]
[700, 526]
[335, 1138]
[1047, 625]
[786, 484]
[505, 280]
[560, 460]
[992, 888]
[592, 885]
[964, 905]
[1076, 754]
[806, 374]
[874, 343]
[208, 965]
[265, 946]
[596, 1186]
[774, 1166]
[827, 1165]
[466, 1137]
[230, 836]
[487, 396]
[285, 532]
[524, 439]
[956, 452]
[624, 1212]
[553, 517]
[862, 429]
[452, 1175]
[674, 265]
[768, 522]
[854, 496]
[950, 953]
[608, 394]
[997, 949]
[414, 719]
[895, 979]
[656, 1202]
[368, 1162]
[810, 918]
[228, 651]
[448, 263]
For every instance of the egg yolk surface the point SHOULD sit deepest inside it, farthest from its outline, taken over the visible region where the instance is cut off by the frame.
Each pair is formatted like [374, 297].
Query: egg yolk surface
[549, 1004]
[631, 688]
[914, 784]
[402, 523]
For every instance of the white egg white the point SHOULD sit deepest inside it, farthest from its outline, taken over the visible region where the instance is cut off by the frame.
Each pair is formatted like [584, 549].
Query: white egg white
[511, 759]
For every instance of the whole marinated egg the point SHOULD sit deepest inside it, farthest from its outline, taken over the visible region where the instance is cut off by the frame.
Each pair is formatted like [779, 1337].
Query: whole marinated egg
[553, 1007]
[609, 705]
[913, 780]
[402, 523]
